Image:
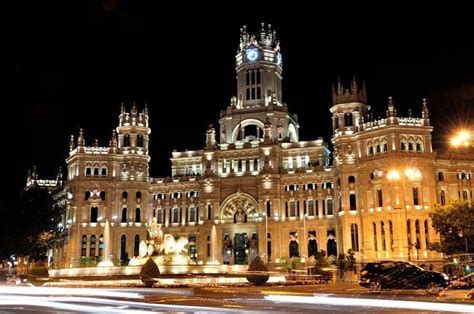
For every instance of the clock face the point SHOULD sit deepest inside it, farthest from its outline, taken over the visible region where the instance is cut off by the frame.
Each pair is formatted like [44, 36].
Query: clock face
[278, 59]
[252, 54]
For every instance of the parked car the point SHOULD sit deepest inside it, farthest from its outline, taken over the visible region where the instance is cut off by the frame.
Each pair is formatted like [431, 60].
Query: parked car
[18, 280]
[465, 282]
[401, 275]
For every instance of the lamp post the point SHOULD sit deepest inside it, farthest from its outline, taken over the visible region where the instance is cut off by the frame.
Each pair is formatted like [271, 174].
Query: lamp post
[305, 247]
[410, 174]
[266, 237]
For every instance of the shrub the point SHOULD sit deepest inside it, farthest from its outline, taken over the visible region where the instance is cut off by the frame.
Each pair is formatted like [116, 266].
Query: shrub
[39, 271]
[149, 271]
[260, 276]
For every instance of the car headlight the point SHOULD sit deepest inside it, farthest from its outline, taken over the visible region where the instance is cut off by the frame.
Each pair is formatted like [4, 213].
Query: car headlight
[445, 276]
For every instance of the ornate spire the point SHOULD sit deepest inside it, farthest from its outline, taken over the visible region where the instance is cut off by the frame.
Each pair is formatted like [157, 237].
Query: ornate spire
[113, 139]
[80, 139]
[265, 39]
[72, 145]
[391, 111]
[59, 175]
[122, 108]
[352, 94]
[425, 114]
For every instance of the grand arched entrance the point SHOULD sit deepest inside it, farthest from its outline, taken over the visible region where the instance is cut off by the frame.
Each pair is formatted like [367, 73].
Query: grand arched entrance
[239, 218]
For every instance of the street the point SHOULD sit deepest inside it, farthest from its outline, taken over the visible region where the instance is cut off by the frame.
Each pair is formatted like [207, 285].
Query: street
[342, 297]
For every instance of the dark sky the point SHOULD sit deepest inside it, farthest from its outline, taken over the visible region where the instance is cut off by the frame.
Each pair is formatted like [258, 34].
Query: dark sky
[71, 67]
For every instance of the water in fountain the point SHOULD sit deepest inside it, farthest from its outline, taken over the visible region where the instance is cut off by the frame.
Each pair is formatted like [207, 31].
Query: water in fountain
[106, 262]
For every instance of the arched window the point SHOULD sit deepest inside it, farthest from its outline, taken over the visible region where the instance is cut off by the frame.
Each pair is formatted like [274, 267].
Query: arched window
[102, 195]
[390, 227]
[137, 215]
[371, 150]
[443, 197]
[352, 202]
[101, 244]
[348, 119]
[124, 214]
[94, 214]
[139, 140]
[417, 231]
[269, 209]
[403, 145]
[375, 236]
[103, 172]
[411, 146]
[355, 237]
[124, 195]
[294, 247]
[352, 179]
[96, 172]
[92, 246]
[384, 147]
[123, 249]
[378, 149]
[126, 140]
[409, 233]
[138, 195]
[239, 165]
[440, 176]
[209, 212]
[419, 147]
[312, 243]
[88, 171]
[382, 230]
[84, 245]
[87, 195]
[427, 233]
[136, 245]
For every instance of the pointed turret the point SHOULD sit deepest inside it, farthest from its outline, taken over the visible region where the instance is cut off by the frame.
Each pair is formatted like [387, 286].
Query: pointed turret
[72, 145]
[80, 138]
[425, 114]
[391, 111]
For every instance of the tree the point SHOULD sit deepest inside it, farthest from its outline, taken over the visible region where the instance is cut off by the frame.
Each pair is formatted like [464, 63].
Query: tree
[258, 272]
[29, 223]
[149, 273]
[455, 224]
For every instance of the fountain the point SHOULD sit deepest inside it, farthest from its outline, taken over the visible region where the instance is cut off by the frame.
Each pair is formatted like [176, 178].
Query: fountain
[106, 262]
[164, 249]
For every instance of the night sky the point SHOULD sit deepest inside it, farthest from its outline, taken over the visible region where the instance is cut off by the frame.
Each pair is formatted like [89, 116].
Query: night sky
[71, 67]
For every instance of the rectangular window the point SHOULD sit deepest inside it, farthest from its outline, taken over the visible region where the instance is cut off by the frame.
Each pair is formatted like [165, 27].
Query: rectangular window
[352, 202]
[330, 207]
[380, 197]
[416, 200]
[247, 94]
[175, 215]
[259, 94]
[292, 209]
[310, 205]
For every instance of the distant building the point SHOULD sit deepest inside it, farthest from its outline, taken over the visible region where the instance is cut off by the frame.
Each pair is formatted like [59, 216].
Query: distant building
[257, 189]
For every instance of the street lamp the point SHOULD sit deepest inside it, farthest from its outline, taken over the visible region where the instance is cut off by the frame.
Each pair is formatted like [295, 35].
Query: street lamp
[410, 174]
[462, 138]
[305, 247]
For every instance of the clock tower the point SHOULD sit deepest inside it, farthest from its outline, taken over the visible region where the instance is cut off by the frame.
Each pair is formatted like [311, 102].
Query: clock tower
[259, 97]
[259, 67]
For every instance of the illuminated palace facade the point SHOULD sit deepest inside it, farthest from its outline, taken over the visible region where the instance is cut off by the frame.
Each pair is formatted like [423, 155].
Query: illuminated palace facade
[256, 189]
